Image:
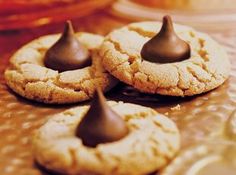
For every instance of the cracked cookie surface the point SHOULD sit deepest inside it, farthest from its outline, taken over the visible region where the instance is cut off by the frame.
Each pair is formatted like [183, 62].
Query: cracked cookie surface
[207, 68]
[152, 142]
[28, 77]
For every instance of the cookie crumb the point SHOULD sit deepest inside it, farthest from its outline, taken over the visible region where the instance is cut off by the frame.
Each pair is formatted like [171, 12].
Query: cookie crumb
[176, 108]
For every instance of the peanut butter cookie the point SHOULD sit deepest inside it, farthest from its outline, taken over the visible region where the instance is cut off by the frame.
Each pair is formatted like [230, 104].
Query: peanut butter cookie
[151, 143]
[28, 76]
[206, 68]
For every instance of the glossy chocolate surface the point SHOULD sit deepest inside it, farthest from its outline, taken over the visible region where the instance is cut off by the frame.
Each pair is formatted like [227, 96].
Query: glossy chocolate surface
[67, 53]
[101, 124]
[166, 46]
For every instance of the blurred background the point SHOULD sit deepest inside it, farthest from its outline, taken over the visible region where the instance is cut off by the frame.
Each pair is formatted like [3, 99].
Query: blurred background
[17, 14]
[24, 20]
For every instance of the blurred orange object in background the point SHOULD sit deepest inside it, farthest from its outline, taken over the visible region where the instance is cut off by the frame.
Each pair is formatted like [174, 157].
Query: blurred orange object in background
[16, 14]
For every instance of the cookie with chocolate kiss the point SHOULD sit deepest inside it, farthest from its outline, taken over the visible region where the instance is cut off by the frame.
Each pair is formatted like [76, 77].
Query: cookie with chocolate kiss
[101, 124]
[165, 65]
[166, 46]
[67, 53]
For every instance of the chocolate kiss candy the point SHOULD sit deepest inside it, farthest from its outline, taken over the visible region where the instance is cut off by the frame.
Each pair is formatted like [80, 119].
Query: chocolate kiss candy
[100, 124]
[67, 53]
[166, 46]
